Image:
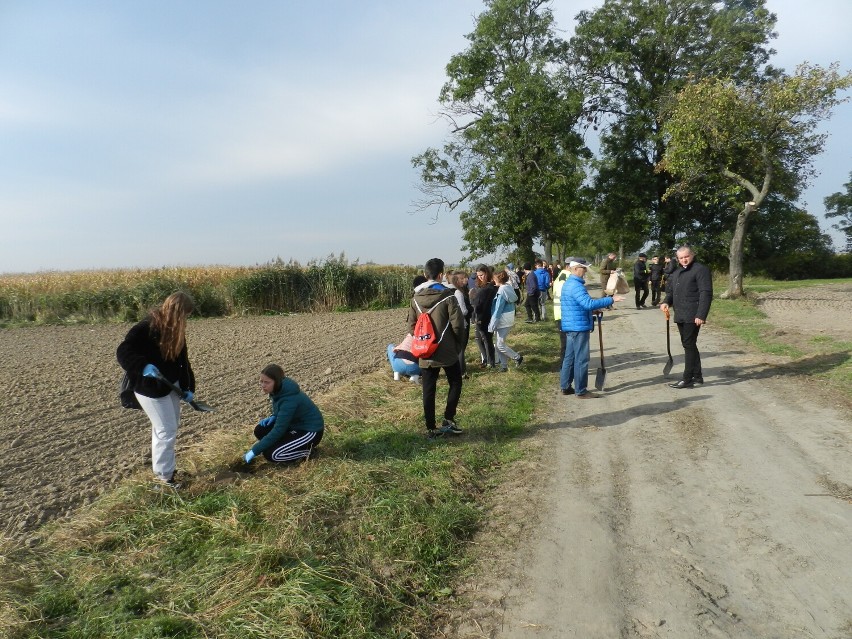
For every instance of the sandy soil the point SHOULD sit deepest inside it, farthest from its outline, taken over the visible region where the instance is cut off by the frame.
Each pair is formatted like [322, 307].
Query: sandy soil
[65, 438]
[723, 511]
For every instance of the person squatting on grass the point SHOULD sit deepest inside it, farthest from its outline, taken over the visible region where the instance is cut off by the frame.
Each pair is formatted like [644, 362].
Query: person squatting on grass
[401, 359]
[153, 347]
[295, 427]
[448, 320]
[503, 319]
[577, 322]
[689, 292]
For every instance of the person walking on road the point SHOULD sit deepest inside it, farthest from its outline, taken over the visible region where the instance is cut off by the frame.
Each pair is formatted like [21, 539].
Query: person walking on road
[689, 292]
[607, 268]
[640, 280]
[543, 279]
[155, 348]
[577, 322]
[655, 271]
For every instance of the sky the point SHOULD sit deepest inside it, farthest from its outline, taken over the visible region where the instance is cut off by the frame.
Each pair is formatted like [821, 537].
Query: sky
[212, 132]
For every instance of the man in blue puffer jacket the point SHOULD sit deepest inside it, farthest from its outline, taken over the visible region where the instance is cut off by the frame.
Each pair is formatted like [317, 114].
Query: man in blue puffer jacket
[577, 321]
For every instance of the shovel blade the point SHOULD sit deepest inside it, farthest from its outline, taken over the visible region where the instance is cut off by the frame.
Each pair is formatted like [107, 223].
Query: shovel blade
[668, 367]
[600, 379]
[202, 407]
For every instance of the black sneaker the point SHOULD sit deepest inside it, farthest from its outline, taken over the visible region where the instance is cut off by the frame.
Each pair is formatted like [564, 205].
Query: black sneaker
[568, 391]
[449, 427]
[519, 361]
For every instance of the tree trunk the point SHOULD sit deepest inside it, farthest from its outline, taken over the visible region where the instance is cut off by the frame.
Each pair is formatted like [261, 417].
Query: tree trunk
[548, 250]
[735, 256]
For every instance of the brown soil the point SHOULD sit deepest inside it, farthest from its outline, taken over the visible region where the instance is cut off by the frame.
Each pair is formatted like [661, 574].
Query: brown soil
[66, 439]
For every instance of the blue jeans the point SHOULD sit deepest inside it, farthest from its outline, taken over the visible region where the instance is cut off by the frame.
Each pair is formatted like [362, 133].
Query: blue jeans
[575, 364]
[400, 366]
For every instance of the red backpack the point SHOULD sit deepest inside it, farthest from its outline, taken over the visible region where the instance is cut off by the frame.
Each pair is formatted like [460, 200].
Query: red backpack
[425, 339]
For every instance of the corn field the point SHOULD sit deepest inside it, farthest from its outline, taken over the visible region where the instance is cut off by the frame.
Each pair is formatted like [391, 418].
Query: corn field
[127, 295]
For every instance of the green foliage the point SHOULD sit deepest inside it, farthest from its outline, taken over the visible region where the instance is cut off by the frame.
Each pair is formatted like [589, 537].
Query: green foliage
[840, 205]
[513, 155]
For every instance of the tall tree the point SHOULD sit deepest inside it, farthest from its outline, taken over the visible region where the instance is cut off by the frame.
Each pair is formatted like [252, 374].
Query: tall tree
[631, 55]
[840, 205]
[751, 137]
[513, 155]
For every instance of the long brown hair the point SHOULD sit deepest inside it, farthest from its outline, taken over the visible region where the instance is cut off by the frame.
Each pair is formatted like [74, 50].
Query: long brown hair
[170, 320]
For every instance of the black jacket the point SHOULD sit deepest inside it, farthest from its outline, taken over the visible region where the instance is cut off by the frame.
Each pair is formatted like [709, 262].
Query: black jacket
[656, 271]
[640, 270]
[141, 347]
[481, 298]
[690, 291]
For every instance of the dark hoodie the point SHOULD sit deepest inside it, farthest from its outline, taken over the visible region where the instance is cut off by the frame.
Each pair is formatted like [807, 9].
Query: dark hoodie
[446, 315]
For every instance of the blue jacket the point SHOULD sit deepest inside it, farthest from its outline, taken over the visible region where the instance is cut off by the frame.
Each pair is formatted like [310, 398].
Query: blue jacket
[577, 305]
[542, 278]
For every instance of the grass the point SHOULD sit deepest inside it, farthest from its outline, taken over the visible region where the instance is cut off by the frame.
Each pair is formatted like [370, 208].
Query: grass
[366, 541]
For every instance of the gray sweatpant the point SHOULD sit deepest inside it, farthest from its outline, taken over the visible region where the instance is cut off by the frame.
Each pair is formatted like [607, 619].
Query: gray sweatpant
[164, 413]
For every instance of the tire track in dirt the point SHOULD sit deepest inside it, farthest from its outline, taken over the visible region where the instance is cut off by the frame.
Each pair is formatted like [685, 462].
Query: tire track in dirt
[65, 439]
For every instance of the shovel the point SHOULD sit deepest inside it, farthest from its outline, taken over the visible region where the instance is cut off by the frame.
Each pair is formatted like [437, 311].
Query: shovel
[668, 367]
[600, 377]
[199, 406]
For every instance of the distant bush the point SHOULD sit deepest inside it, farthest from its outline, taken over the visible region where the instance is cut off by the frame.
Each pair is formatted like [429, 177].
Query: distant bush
[806, 266]
[277, 287]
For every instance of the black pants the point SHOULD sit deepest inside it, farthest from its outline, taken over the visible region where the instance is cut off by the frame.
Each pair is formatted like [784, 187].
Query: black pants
[692, 358]
[465, 340]
[655, 292]
[563, 337]
[296, 444]
[532, 306]
[485, 342]
[429, 380]
[641, 286]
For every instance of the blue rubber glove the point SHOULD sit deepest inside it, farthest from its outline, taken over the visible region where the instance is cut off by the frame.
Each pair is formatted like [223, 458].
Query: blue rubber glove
[188, 396]
[248, 456]
[150, 371]
[267, 421]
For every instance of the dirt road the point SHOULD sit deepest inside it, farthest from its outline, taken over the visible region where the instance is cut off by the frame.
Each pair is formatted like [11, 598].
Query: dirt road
[722, 511]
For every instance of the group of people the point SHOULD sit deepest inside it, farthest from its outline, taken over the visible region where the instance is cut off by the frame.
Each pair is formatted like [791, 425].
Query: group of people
[154, 352]
[653, 274]
[154, 356]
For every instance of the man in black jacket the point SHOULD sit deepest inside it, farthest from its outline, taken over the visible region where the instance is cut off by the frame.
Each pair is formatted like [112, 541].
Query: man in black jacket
[689, 291]
[640, 280]
[655, 270]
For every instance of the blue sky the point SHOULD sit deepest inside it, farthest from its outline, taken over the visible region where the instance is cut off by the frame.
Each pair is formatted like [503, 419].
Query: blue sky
[145, 134]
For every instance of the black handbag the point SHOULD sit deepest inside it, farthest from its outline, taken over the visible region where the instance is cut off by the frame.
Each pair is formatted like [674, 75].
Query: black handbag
[126, 394]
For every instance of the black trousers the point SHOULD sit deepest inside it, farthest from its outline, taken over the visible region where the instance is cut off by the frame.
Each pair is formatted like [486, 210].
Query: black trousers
[532, 306]
[692, 358]
[429, 380]
[295, 444]
[485, 342]
[641, 286]
[563, 337]
[656, 288]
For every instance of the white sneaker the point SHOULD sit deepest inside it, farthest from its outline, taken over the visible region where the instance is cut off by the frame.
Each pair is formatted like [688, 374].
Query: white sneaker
[395, 376]
[415, 379]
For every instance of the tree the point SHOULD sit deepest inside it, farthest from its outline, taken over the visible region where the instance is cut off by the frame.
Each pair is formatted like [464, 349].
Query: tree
[840, 205]
[630, 56]
[750, 137]
[513, 155]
